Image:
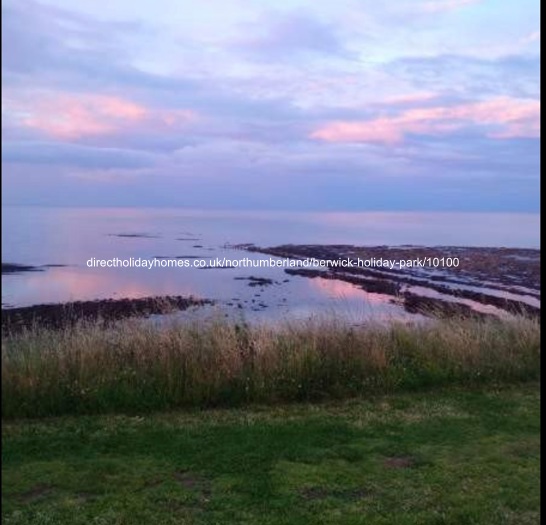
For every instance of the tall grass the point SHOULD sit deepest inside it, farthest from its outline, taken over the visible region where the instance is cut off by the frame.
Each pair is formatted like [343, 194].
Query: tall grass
[134, 367]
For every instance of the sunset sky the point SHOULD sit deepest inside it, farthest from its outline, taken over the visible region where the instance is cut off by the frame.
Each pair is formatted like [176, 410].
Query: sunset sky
[286, 104]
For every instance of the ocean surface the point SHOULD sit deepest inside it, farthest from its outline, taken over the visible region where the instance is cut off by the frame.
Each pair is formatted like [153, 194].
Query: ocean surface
[69, 237]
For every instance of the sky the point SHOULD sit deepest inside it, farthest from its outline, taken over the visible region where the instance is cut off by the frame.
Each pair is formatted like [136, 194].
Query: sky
[352, 105]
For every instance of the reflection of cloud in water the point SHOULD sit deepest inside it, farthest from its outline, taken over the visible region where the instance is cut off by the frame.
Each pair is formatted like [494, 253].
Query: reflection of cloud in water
[70, 284]
[345, 300]
[72, 236]
[342, 290]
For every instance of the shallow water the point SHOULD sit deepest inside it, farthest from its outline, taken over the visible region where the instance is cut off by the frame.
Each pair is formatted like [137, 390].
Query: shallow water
[71, 236]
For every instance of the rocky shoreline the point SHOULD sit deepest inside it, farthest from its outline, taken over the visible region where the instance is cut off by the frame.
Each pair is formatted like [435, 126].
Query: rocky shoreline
[485, 280]
[15, 268]
[488, 282]
[63, 315]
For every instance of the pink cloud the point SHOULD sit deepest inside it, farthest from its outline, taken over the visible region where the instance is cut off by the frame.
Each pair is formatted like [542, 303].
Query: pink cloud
[507, 116]
[120, 108]
[378, 130]
[69, 116]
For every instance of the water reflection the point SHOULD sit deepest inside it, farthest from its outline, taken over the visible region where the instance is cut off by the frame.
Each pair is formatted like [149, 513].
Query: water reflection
[39, 236]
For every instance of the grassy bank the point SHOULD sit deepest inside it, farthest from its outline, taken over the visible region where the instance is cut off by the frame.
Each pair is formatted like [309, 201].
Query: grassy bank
[134, 368]
[461, 456]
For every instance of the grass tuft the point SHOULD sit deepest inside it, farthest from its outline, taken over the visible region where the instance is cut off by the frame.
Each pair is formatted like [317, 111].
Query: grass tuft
[134, 367]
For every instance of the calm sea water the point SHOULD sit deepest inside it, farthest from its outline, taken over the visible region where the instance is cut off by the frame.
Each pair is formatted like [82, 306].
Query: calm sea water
[71, 236]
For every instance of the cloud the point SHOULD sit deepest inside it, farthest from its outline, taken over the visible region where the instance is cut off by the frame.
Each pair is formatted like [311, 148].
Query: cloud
[442, 6]
[82, 83]
[505, 118]
[234, 115]
[286, 36]
[52, 153]
[74, 116]
[529, 41]
[511, 75]
[71, 117]
[532, 37]
[466, 172]
[408, 99]
[37, 37]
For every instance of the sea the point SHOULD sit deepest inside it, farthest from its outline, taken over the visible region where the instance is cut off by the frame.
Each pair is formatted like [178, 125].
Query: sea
[62, 241]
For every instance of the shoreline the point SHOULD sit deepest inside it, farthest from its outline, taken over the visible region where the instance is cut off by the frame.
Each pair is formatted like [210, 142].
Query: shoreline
[489, 282]
[63, 315]
[492, 277]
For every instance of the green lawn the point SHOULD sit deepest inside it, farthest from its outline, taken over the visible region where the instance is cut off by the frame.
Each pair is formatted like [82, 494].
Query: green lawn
[453, 456]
